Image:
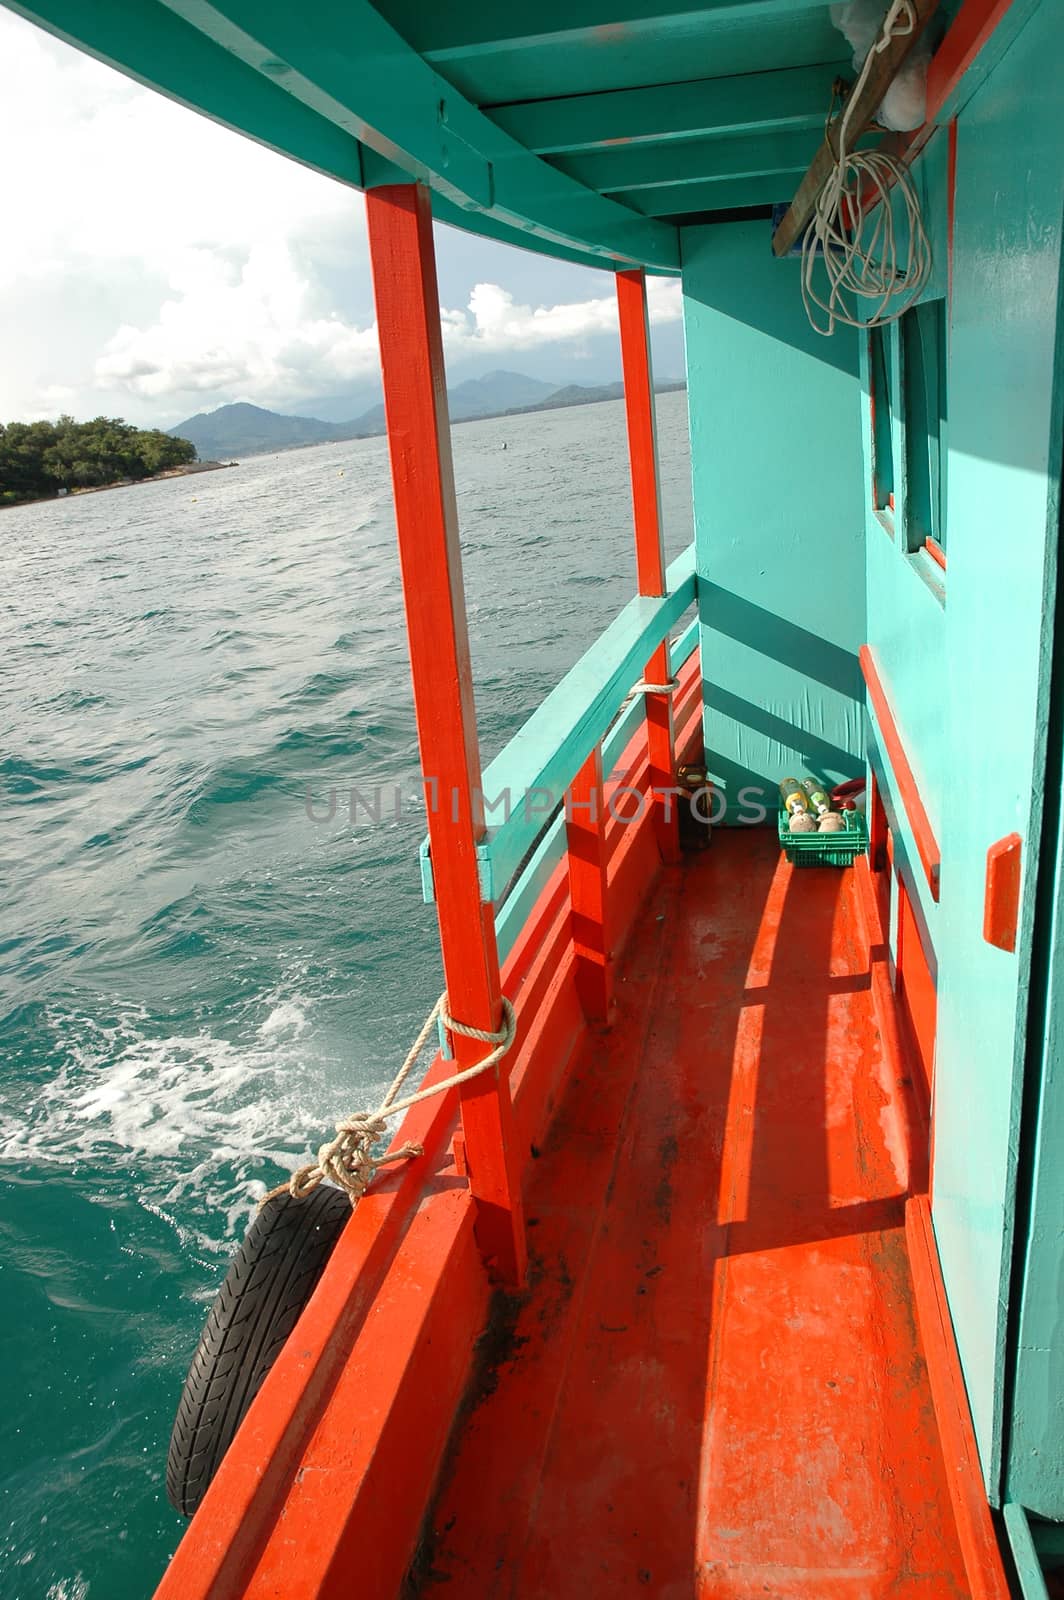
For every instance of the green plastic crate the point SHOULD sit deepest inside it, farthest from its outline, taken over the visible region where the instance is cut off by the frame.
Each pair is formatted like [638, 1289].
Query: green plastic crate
[825, 849]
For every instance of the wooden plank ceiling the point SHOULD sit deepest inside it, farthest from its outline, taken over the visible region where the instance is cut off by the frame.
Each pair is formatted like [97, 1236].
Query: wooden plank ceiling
[590, 129]
[684, 110]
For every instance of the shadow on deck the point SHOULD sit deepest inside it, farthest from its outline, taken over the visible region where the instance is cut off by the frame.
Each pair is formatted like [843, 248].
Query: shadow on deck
[714, 1385]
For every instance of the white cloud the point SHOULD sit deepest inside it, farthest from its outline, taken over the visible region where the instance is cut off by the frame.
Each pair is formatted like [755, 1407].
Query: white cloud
[111, 171]
[253, 333]
[494, 323]
[135, 219]
[161, 259]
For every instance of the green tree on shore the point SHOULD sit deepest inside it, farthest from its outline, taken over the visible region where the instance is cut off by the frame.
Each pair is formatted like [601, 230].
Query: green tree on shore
[38, 459]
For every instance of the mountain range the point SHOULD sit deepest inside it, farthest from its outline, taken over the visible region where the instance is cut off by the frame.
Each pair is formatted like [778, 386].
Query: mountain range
[241, 429]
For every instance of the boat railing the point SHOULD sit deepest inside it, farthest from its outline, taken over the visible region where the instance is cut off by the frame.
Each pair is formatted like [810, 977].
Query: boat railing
[525, 787]
[514, 904]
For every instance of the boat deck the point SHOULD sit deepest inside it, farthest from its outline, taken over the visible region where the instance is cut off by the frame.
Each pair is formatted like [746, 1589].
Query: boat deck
[714, 1385]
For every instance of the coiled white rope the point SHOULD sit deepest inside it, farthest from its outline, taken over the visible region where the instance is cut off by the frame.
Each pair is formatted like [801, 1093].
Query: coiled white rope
[348, 1159]
[860, 264]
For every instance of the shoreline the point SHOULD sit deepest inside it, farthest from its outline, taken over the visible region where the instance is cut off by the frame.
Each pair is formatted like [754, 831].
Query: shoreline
[192, 470]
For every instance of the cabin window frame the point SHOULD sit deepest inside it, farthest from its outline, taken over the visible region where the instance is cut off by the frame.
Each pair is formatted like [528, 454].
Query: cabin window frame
[921, 339]
[909, 457]
[881, 411]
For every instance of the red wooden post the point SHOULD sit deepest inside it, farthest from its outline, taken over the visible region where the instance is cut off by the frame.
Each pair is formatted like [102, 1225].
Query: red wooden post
[415, 401]
[649, 547]
[585, 831]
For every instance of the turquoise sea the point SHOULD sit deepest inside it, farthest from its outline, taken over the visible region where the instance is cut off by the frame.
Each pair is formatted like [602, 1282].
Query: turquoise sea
[196, 978]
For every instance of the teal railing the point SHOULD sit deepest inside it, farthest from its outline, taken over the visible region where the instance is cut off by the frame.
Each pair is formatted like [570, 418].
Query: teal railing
[548, 752]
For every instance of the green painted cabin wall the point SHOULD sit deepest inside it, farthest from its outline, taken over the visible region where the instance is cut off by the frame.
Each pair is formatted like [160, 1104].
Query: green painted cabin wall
[779, 535]
[967, 676]
[1004, 462]
[1030, 79]
[1035, 1469]
[966, 671]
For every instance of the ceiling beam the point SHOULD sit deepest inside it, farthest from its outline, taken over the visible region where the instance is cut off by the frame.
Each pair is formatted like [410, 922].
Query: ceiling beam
[796, 97]
[726, 194]
[475, 27]
[653, 166]
[378, 173]
[342, 60]
[978, 37]
[485, 226]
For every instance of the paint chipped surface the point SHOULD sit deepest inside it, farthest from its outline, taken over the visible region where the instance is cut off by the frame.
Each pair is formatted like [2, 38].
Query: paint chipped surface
[715, 1387]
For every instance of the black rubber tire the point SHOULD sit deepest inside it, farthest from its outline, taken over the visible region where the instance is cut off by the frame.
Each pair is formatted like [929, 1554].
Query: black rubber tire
[270, 1280]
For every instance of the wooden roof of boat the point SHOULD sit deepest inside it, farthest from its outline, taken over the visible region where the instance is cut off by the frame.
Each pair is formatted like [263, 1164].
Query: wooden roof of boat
[588, 129]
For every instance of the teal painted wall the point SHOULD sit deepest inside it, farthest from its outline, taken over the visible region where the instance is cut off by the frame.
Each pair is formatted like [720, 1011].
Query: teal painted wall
[796, 571]
[1035, 1468]
[1004, 460]
[779, 522]
[966, 667]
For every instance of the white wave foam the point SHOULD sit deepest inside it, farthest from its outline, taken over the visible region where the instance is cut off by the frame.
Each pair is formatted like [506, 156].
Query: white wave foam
[196, 1121]
[68, 1589]
[286, 1018]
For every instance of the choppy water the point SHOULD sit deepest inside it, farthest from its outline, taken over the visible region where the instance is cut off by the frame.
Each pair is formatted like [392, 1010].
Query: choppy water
[196, 978]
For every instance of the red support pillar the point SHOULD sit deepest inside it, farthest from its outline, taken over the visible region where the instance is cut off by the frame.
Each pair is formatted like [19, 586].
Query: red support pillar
[649, 547]
[415, 401]
[585, 832]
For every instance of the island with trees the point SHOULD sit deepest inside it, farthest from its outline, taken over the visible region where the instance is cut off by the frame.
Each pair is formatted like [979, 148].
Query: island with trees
[41, 460]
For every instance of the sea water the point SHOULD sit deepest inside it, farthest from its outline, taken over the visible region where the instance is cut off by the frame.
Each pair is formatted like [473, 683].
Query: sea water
[206, 954]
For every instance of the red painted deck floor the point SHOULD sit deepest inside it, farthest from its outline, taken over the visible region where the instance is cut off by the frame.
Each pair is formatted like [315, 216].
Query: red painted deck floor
[714, 1386]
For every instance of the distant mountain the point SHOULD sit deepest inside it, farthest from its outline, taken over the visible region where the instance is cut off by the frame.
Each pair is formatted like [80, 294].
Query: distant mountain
[494, 393]
[577, 394]
[245, 430]
[472, 393]
[339, 407]
[370, 422]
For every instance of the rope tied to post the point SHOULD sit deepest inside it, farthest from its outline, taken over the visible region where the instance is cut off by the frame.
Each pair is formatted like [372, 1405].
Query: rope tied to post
[348, 1160]
[642, 687]
[653, 688]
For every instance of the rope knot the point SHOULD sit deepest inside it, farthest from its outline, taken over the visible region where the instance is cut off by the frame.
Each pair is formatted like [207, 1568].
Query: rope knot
[504, 1036]
[348, 1160]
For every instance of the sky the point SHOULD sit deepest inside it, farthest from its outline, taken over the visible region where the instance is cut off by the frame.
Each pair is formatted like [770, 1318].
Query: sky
[153, 265]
